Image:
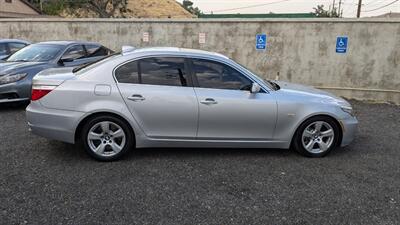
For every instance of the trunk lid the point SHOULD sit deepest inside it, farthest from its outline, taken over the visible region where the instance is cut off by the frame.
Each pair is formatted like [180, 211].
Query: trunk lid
[54, 76]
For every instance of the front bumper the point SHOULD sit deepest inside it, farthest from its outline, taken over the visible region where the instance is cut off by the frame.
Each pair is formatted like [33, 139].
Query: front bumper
[52, 123]
[349, 128]
[17, 91]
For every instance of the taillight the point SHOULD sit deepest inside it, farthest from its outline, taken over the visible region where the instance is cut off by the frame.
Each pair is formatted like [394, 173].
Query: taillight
[39, 91]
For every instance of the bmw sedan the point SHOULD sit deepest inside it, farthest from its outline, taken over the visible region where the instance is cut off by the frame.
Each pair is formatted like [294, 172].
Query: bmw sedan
[17, 71]
[173, 97]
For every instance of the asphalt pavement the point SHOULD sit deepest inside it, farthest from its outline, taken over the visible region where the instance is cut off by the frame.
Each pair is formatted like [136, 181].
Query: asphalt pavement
[49, 182]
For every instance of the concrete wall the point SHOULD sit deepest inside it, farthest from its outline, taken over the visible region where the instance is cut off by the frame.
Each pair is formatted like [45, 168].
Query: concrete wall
[302, 51]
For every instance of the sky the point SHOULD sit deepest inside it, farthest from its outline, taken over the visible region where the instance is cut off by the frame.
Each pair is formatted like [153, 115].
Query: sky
[370, 7]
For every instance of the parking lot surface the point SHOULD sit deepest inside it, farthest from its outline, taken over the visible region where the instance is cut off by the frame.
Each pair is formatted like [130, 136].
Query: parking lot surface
[49, 182]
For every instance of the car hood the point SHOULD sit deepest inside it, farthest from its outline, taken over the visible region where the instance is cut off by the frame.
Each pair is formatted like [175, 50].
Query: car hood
[17, 67]
[308, 91]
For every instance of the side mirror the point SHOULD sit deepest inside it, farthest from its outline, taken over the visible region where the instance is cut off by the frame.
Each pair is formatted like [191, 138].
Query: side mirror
[64, 60]
[255, 88]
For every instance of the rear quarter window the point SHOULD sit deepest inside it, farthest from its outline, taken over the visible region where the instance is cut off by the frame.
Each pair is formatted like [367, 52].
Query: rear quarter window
[128, 73]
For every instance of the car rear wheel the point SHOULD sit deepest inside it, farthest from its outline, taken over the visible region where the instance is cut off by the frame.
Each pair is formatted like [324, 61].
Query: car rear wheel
[316, 137]
[106, 138]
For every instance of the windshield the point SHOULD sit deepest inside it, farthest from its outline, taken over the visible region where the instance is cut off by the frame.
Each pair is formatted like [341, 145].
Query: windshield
[36, 53]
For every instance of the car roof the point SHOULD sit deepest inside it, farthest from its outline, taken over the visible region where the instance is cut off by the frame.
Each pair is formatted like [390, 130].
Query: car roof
[67, 43]
[14, 40]
[175, 50]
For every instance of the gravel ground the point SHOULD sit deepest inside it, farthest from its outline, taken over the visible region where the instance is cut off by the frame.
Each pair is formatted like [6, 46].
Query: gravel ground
[49, 182]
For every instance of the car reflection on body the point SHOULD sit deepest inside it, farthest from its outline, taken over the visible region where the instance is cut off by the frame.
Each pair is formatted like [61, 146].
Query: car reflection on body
[17, 71]
[173, 97]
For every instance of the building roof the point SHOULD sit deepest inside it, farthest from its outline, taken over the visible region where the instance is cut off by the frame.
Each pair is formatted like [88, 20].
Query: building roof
[18, 9]
[389, 15]
[258, 16]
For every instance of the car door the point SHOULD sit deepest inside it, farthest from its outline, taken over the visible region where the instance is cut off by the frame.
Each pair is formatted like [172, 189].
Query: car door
[227, 109]
[159, 94]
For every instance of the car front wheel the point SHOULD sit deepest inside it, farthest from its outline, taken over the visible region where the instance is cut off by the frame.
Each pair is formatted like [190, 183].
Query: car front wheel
[316, 137]
[106, 138]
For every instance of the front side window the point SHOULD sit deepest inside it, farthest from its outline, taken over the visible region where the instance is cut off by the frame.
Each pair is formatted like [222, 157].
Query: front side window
[3, 49]
[14, 47]
[36, 53]
[216, 75]
[168, 71]
[74, 52]
[96, 50]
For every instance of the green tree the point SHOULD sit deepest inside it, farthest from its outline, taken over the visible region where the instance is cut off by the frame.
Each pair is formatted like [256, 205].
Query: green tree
[188, 5]
[319, 11]
[104, 8]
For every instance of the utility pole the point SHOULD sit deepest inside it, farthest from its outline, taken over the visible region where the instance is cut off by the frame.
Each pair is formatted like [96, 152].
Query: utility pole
[359, 8]
[340, 4]
[41, 5]
[333, 7]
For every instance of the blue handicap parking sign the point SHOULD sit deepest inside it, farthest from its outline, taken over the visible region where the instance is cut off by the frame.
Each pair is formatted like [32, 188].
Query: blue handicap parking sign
[341, 44]
[261, 41]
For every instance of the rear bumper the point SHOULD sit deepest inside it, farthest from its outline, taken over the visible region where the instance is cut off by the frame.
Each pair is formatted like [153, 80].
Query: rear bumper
[349, 127]
[52, 123]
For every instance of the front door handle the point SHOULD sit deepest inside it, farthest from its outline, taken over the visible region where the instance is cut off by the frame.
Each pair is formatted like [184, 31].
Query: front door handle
[208, 101]
[136, 98]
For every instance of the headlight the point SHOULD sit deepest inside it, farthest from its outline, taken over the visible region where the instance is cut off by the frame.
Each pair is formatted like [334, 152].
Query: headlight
[10, 78]
[348, 109]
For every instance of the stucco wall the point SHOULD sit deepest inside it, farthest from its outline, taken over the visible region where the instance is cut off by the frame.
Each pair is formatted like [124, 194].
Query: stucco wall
[302, 51]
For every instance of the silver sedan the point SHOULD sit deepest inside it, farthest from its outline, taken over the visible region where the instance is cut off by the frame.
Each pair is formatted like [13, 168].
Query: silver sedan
[173, 97]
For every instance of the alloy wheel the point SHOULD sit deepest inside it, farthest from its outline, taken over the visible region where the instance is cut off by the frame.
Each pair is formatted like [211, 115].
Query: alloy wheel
[106, 138]
[318, 137]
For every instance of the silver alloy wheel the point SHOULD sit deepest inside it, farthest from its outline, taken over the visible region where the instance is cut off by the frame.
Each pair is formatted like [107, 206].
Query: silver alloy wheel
[106, 138]
[318, 137]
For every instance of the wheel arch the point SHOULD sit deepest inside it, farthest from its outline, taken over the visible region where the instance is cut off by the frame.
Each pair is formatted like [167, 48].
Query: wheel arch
[84, 120]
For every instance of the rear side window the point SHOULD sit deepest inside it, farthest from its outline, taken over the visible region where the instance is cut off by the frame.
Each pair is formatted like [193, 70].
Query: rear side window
[216, 75]
[163, 71]
[128, 73]
[168, 71]
[75, 52]
[15, 47]
[96, 50]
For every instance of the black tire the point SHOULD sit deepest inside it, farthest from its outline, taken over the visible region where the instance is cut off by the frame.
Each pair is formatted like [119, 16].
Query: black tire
[129, 137]
[297, 143]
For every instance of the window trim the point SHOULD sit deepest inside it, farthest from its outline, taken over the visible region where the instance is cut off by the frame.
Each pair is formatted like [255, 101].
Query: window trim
[186, 67]
[196, 83]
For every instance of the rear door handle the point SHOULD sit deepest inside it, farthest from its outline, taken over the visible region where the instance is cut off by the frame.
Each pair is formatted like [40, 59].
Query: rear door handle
[208, 101]
[136, 98]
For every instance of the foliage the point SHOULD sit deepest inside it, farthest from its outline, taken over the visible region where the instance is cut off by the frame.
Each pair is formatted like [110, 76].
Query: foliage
[104, 8]
[319, 11]
[188, 5]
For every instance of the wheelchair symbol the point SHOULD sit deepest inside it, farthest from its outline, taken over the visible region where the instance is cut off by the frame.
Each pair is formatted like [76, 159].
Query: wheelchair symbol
[341, 43]
[260, 40]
